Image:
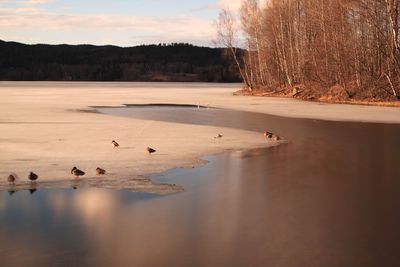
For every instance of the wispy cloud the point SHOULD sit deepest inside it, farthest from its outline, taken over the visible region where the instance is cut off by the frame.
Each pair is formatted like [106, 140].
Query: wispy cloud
[166, 29]
[26, 2]
[35, 17]
[33, 21]
[36, 2]
[232, 5]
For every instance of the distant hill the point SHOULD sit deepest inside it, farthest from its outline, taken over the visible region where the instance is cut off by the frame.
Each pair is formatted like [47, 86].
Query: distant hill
[172, 62]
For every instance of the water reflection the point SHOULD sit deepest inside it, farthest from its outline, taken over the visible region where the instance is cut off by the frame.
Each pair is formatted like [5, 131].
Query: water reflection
[32, 191]
[12, 192]
[331, 197]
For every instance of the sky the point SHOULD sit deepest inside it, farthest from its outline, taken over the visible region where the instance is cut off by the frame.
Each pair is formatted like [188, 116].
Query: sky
[111, 22]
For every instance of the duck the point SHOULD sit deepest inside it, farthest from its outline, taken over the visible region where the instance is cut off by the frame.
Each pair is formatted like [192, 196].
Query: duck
[272, 136]
[151, 150]
[77, 172]
[277, 137]
[11, 178]
[100, 171]
[268, 134]
[114, 144]
[33, 176]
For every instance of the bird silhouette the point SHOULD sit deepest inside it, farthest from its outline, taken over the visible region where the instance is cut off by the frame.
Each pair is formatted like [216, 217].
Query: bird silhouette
[272, 136]
[11, 178]
[151, 150]
[218, 136]
[100, 171]
[77, 172]
[268, 135]
[114, 144]
[33, 176]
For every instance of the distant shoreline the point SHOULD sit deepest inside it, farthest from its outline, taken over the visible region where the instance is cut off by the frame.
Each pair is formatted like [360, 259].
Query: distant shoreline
[175, 62]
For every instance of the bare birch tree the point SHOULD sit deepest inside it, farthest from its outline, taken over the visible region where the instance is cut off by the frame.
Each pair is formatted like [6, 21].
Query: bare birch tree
[351, 43]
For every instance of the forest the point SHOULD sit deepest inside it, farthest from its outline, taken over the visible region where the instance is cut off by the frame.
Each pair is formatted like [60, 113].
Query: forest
[339, 50]
[175, 62]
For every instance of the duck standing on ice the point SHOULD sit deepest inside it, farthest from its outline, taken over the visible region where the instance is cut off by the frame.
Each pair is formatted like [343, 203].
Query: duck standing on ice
[100, 171]
[114, 144]
[33, 176]
[271, 136]
[77, 172]
[151, 150]
[11, 178]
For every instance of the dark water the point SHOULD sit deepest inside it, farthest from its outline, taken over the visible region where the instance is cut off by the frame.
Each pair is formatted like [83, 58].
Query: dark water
[331, 197]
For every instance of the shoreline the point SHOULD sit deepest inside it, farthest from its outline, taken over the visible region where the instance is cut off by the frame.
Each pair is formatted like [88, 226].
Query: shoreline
[43, 133]
[50, 129]
[219, 95]
[342, 102]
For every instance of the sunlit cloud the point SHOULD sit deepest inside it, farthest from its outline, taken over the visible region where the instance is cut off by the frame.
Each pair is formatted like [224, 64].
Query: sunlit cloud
[26, 2]
[36, 2]
[232, 5]
[32, 21]
[138, 28]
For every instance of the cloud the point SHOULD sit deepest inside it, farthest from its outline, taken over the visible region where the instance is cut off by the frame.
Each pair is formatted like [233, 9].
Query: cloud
[232, 5]
[35, 18]
[26, 2]
[144, 29]
[36, 2]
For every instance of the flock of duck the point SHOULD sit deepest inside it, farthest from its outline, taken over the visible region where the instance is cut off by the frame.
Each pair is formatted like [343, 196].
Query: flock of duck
[12, 178]
[271, 136]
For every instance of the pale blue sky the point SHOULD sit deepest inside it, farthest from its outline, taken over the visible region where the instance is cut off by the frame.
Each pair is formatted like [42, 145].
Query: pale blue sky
[117, 22]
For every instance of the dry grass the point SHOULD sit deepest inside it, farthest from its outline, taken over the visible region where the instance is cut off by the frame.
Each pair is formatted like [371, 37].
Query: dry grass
[334, 95]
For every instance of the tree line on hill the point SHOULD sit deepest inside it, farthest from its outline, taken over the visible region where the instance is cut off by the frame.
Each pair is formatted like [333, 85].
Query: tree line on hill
[317, 48]
[164, 62]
